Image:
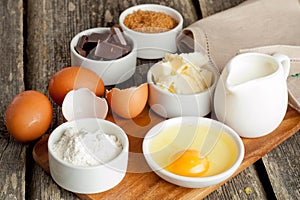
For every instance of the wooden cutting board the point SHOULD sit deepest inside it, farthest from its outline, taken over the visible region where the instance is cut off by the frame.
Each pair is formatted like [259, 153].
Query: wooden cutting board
[143, 185]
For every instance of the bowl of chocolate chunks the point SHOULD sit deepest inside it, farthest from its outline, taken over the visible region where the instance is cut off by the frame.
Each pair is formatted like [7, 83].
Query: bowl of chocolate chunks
[109, 52]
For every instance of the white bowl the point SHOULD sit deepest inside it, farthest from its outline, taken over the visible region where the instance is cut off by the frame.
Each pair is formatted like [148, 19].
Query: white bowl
[153, 45]
[169, 104]
[184, 139]
[91, 179]
[111, 72]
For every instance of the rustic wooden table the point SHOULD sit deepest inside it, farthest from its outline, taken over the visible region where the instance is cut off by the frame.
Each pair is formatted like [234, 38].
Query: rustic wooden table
[34, 44]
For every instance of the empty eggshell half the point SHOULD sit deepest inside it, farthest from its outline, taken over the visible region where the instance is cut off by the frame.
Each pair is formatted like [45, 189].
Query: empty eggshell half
[83, 103]
[129, 102]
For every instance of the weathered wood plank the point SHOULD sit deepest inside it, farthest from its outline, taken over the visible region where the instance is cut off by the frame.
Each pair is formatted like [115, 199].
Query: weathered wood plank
[52, 24]
[12, 170]
[236, 188]
[282, 165]
[12, 153]
[50, 28]
[149, 185]
[11, 54]
[47, 52]
[44, 188]
[209, 7]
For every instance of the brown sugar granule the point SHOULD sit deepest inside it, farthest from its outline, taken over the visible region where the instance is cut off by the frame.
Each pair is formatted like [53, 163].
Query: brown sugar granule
[149, 21]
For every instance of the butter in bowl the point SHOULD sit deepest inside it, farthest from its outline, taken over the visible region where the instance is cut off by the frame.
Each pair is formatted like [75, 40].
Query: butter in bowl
[182, 85]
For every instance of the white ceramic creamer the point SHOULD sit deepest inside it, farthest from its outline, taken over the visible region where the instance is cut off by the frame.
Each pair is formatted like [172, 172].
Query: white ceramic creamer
[251, 95]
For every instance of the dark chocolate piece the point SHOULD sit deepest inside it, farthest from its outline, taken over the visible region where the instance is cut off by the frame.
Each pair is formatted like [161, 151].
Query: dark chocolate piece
[84, 46]
[104, 46]
[82, 40]
[109, 51]
[80, 51]
[126, 48]
[92, 55]
[118, 35]
[95, 37]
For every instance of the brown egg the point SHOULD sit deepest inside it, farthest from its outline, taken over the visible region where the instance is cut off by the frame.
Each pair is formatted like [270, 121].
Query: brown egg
[128, 103]
[72, 78]
[28, 116]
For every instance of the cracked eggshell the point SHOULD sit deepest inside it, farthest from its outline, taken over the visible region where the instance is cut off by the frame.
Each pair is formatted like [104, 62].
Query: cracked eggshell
[83, 103]
[128, 103]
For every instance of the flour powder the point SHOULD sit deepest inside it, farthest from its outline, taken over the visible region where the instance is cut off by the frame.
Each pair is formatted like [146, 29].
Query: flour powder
[83, 148]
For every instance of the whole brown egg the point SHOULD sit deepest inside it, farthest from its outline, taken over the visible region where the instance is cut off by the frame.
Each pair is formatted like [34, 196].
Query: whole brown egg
[28, 116]
[72, 78]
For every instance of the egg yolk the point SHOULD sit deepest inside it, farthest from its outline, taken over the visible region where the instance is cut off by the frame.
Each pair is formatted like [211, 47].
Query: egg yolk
[189, 164]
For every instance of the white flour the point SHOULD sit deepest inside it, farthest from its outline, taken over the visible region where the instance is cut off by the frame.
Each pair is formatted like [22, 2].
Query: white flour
[83, 148]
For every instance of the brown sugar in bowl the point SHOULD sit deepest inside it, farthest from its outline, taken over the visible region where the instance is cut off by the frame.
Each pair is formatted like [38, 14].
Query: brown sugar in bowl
[153, 45]
[147, 21]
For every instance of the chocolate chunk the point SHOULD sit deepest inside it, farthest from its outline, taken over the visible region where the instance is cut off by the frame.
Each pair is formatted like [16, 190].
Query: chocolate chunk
[118, 35]
[104, 46]
[84, 46]
[109, 51]
[80, 51]
[92, 55]
[95, 37]
[87, 43]
[126, 48]
[89, 46]
[82, 40]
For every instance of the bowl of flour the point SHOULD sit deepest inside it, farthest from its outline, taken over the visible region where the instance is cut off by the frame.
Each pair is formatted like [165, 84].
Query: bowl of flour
[88, 155]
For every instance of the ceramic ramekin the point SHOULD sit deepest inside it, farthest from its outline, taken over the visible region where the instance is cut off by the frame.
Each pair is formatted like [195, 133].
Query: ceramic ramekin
[153, 45]
[91, 179]
[186, 139]
[111, 72]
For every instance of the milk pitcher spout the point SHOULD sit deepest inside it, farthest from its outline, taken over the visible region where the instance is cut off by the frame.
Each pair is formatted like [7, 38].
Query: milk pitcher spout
[232, 82]
[251, 94]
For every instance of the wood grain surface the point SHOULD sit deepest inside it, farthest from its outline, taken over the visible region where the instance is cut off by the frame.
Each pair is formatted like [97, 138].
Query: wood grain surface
[287, 154]
[210, 7]
[12, 153]
[50, 28]
[34, 44]
[280, 166]
[149, 185]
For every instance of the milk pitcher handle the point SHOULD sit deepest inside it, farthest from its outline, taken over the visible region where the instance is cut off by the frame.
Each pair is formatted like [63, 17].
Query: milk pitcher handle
[285, 61]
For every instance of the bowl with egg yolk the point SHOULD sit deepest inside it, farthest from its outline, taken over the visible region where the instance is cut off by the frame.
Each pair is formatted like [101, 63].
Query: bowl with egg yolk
[193, 152]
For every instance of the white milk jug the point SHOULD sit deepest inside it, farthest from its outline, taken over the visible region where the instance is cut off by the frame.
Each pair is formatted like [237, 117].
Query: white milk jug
[251, 95]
